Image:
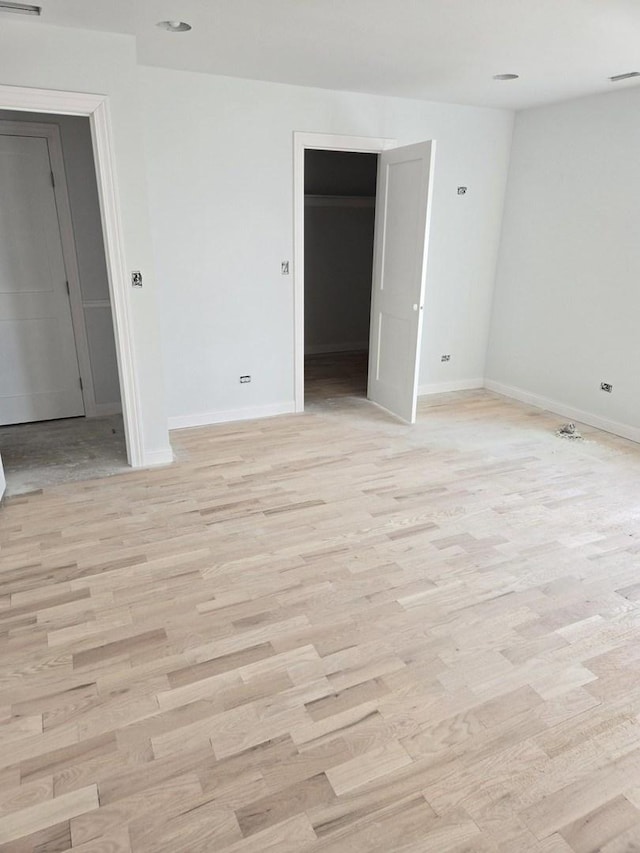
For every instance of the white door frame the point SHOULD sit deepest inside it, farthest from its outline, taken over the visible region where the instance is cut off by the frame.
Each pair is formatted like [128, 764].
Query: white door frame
[324, 142]
[51, 132]
[96, 108]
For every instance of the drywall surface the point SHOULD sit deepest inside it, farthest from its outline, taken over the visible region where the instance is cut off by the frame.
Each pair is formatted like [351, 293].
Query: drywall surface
[37, 55]
[338, 265]
[567, 298]
[77, 149]
[220, 171]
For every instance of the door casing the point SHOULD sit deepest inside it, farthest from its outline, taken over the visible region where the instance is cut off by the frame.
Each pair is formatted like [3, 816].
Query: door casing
[96, 108]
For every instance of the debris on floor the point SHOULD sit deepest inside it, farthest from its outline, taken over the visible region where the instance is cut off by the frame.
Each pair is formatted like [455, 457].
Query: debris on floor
[49, 453]
[569, 431]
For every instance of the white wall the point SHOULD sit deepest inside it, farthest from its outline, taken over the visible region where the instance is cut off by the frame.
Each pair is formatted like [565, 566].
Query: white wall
[75, 136]
[567, 297]
[75, 60]
[220, 167]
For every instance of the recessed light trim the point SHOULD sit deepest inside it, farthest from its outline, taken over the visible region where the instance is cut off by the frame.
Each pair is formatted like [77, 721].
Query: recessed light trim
[506, 76]
[617, 77]
[175, 26]
[20, 8]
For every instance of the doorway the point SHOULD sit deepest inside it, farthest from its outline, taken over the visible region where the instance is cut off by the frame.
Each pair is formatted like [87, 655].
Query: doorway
[329, 144]
[60, 402]
[339, 217]
[96, 108]
[404, 192]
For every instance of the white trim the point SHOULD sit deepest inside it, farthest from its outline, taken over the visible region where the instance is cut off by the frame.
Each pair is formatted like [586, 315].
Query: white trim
[3, 482]
[48, 101]
[322, 349]
[105, 409]
[96, 303]
[248, 414]
[448, 387]
[71, 265]
[623, 430]
[97, 108]
[154, 458]
[325, 142]
[118, 280]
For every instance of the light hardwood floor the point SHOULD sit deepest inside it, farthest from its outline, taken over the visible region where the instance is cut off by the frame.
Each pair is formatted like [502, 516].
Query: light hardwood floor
[330, 632]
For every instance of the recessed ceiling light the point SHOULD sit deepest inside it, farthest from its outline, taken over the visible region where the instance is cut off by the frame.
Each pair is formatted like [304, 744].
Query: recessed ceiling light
[20, 8]
[617, 77]
[175, 26]
[505, 76]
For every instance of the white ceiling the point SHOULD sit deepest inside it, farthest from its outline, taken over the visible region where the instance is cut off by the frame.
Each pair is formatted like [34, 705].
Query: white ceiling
[443, 50]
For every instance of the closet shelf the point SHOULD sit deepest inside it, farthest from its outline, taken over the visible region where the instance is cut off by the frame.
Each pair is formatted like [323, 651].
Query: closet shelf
[339, 200]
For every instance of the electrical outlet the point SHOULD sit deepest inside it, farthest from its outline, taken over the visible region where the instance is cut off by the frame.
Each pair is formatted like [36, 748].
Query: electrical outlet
[445, 358]
[606, 386]
[245, 379]
[284, 268]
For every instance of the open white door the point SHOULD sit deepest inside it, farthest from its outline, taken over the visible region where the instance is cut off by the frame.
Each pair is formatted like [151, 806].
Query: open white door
[3, 482]
[403, 212]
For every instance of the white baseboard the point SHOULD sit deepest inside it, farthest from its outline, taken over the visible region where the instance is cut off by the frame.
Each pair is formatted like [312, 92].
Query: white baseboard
[152, 458]
[322, 349]
[447, 387]
[623, 430]
[104, 409]
[248, 414]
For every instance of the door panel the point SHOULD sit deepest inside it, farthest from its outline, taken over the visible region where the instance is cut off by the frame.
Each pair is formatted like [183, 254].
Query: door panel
[403, 208]
[39, 375]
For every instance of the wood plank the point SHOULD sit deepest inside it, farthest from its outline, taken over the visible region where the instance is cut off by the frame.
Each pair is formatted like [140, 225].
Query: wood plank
[372, 765]
[48, 813]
